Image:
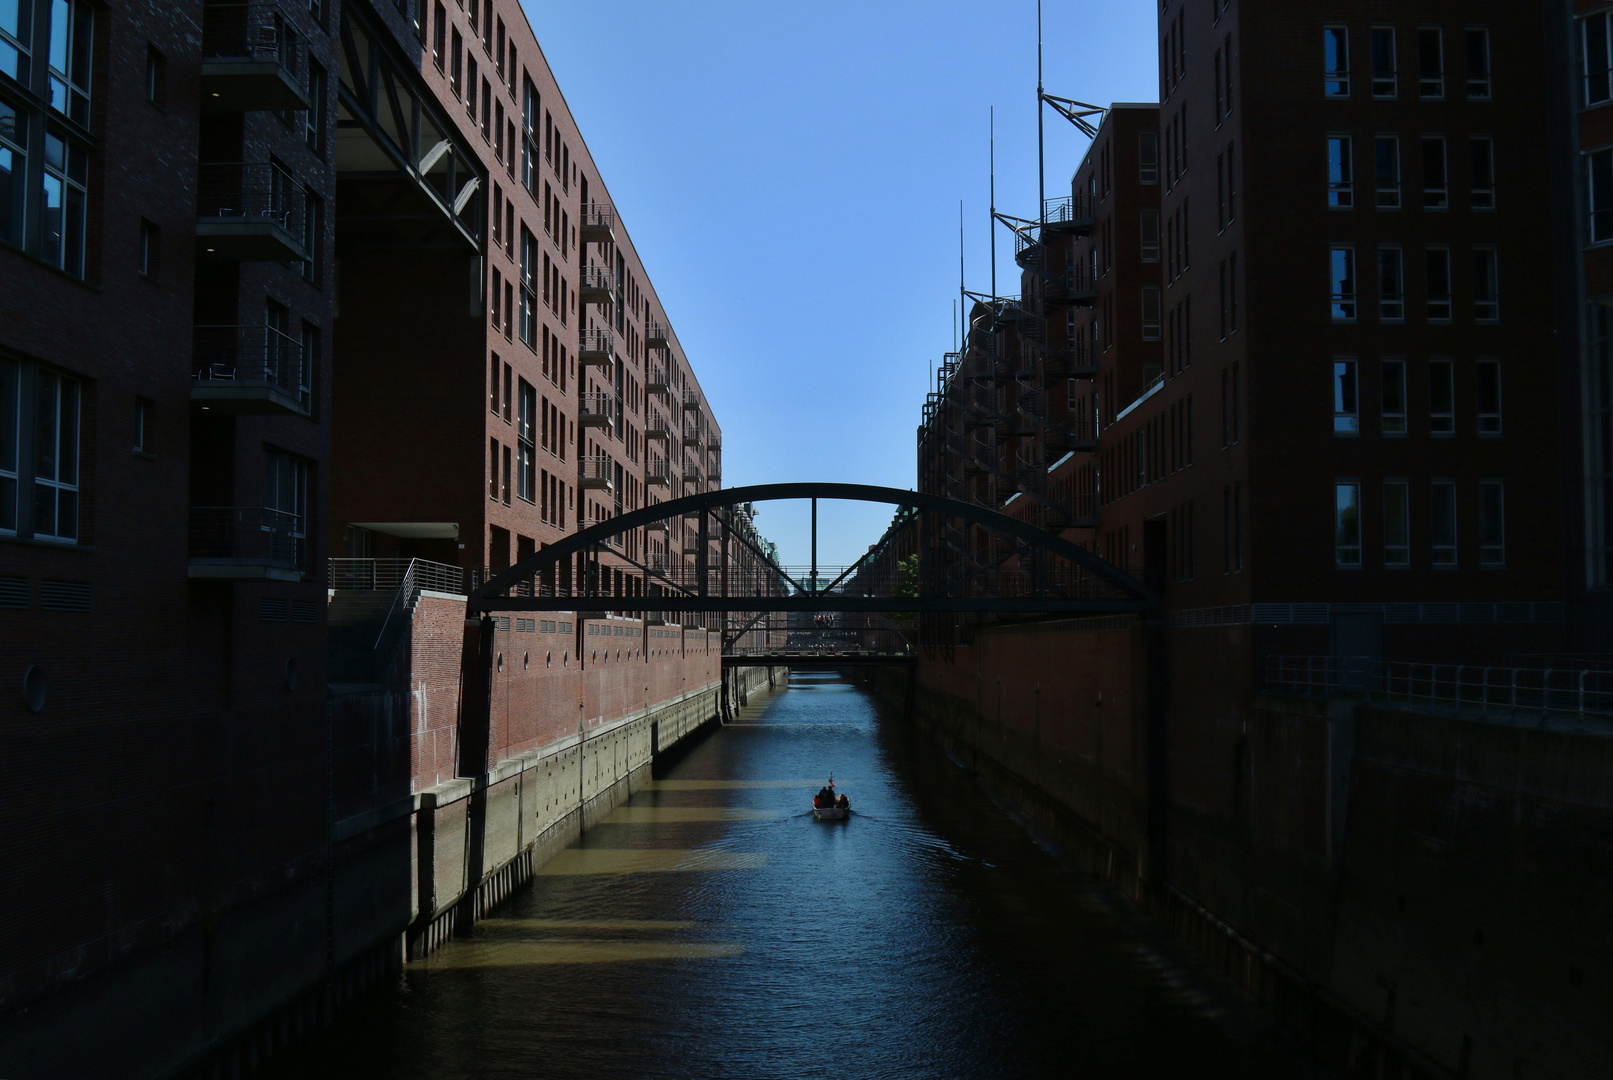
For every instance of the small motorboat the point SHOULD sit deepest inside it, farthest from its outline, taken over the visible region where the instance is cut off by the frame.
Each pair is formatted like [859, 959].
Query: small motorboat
[827, 807]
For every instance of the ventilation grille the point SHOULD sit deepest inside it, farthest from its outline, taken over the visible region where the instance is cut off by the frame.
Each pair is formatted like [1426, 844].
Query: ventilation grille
[13, 592]
[303, 611]
[503, 623]
[525, 626]
[272, 609]
[64, 595]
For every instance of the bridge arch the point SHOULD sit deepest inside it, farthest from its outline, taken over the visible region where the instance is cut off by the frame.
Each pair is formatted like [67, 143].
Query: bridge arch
[1133, 595]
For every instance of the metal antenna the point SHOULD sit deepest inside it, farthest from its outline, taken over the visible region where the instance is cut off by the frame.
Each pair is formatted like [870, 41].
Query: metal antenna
[1041, 169]
[961, 309]
[991, 222]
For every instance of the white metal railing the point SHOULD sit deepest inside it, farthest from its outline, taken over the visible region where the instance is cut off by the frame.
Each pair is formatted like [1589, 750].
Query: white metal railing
[1583, 692]
[372, 575]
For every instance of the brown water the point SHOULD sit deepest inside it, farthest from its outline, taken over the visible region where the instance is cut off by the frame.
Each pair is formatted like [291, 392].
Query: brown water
[711, 928]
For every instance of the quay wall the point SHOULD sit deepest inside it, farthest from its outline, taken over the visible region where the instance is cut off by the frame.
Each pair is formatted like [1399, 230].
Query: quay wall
[411, 852]
[1412, 893]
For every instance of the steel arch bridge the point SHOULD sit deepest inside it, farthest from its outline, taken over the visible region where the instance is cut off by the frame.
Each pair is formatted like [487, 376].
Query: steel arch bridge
[1048, 574]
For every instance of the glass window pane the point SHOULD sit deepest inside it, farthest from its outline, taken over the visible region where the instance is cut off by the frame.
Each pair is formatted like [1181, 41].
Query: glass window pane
[1396, 524]
[1394, 397]
[1347, 524]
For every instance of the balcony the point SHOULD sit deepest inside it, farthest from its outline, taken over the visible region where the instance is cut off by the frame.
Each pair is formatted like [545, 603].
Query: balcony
[249, 371]
[655, 379]
[714, 473]
[691, 401]
[596, 410]
[597, 346]
[658, 474]
[245, 543]
[691, 436]
[714, 441]
[691, 473]
[598, 285]
[598, 223]
[1074, 288]
[656, 335]
[248, 212]
[596, 472]
[657, 429]
[249, 59]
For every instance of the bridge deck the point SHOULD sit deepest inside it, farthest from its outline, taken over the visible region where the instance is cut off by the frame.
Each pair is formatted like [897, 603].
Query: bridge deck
[807, 659]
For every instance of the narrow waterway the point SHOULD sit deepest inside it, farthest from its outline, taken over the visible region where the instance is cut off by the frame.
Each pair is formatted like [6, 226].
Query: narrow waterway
[711, 928]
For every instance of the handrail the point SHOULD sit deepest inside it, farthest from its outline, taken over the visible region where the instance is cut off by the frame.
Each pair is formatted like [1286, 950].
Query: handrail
[1585, 692]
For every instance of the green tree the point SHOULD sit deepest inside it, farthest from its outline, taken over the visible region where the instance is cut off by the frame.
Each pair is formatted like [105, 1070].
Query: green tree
[907, 584]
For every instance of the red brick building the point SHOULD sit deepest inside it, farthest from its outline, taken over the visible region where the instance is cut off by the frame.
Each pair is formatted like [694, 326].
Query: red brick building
[201, 205]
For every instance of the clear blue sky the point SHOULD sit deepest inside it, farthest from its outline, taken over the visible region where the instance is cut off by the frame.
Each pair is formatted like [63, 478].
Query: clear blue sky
[791, 177]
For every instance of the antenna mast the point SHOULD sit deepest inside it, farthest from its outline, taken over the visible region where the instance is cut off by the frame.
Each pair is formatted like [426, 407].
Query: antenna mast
[962, 309]
[1041, 169]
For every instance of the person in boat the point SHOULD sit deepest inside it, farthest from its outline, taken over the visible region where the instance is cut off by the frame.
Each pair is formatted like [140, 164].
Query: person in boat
[823, 798]
[843, 802]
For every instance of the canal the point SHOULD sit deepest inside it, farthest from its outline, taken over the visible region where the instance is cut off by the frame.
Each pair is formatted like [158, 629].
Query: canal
[711, 928]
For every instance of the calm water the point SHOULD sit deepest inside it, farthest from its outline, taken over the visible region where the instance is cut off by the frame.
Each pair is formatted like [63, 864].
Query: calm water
[710, 928]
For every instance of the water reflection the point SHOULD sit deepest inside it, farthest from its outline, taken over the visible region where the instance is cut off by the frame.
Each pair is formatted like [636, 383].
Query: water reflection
[711, 928]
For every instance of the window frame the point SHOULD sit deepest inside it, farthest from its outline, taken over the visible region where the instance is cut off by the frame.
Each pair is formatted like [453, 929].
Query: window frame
[1387, 195]
[1436, 197]
[1336, 79]
[1481, 196]
[1443, 518]
[1346, 383]
[1347, 519]
[1438, 306]
[1486, 264]
[1441, 397]
[1380, 77]
[1488, 402]
[1340, 172]
[1492, 546]
[1392, 375]
[1431, 85]
[1391, 305]
[1596, 80]
[1344, 302]
[1485, 80]
[1396, 550]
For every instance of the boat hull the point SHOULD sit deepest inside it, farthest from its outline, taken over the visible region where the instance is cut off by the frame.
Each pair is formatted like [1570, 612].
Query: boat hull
[829, 813]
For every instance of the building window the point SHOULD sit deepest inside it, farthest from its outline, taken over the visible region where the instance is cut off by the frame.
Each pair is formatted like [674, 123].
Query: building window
[1232, 523]
[13, 172]
[1438, 265]
[1442, 523]
[1481, 158]
[156, 87]
[1598, 190]
[1342, 278]
[1599, 445]
[1386, 171]
[64, 199]
[150, 249]
[1347, 524]
[313, 228]
[505, 487]
[308, 357]
[1149, 219]
[145, 433]
[56, 454]
[1396, 524]
[285, 505]
[1436, 181]
[1486, 289]
[1596, 52]
[1431, 62]
[529, 296]
[10, 441]
[1492, 524]
[1391, 285]
[1335, 61]
[1346, 407]
[1478, 65]
[456, 66]
[1488, 394]
[1384, 77]
[1148, 157]
[439, 40]
[492, 469]
[1151, 312]
[1340, 172]
[314, 118]
[1441, 398]
[526, 470]
[1393, 381]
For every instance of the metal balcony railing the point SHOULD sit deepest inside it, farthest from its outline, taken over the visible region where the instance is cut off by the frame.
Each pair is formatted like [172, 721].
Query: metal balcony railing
[246, 534]
[249, 191]
[597, 222]
[655, 379]
[251, 356]
[1575, 690]
[691, 401]
[596, 470]
[596, 409]
[657, 428]
[254, 31]
[656, 334]
[596, 345]
[598, 284]
[714, 472]
[1067, 208]
[691, 436]
[380, 575]
[691, 473]
[713, 441]
[657, 474]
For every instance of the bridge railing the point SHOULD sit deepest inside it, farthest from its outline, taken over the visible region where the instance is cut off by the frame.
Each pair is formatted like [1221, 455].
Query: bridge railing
[1578, 691]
